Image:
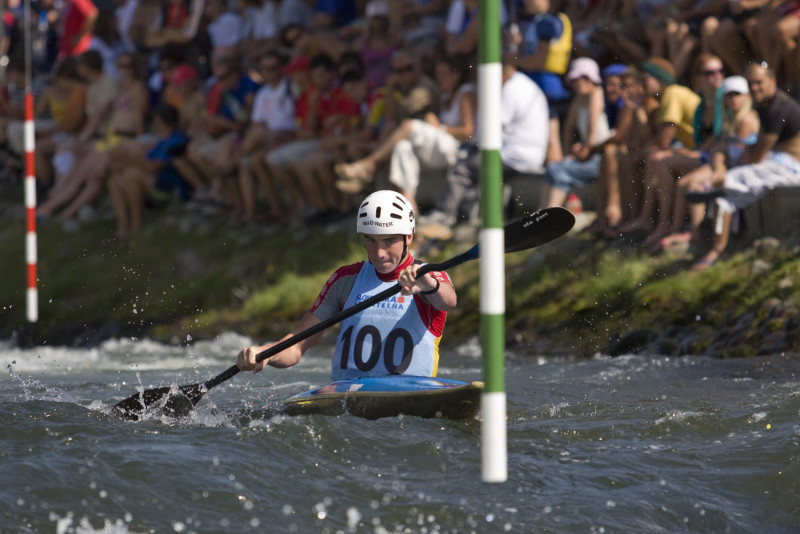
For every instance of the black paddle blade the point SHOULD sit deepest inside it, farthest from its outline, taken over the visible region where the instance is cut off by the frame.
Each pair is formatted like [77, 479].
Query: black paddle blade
[538, 228]
[178, 404]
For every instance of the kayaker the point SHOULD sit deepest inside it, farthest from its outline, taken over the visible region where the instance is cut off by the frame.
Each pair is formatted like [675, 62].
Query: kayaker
[397, 336]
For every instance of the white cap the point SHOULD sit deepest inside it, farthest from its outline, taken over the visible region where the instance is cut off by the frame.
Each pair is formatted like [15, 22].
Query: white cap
[584, 67]
[385, 212]
[735, 84]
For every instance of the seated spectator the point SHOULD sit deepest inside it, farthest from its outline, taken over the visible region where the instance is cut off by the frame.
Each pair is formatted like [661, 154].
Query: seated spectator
[414, 93]
[229, 106]
[12, 101]
[288, 195]
[360, 133]
[185, 94]
[330, 113]
[431, 141]
[665, 168]
[271, 125]
[544, 49]
[739, 130]
[378, 43]
[623, 158]
[586, 121]
[523, 116]
[101, 89]
[151, 177]
[85, 180]
[612, 82]
[774, 161]
[674, 120]
[63, 106]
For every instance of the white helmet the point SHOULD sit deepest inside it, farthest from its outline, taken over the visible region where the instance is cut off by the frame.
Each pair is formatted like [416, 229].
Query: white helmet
[385, 212]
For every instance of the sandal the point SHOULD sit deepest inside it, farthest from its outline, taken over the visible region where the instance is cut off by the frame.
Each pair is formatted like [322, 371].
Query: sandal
[675, 239]
[706, 262]
[353, 177]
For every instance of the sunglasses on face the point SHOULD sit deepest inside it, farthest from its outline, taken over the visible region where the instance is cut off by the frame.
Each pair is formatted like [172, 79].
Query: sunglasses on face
[712, 72]
[406, 68]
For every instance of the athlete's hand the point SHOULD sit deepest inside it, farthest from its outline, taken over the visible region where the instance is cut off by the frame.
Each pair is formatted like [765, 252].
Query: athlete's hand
[246, 359]
[410, 284]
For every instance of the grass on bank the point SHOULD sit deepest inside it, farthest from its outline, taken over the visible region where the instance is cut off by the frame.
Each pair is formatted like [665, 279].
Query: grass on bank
[196, 277]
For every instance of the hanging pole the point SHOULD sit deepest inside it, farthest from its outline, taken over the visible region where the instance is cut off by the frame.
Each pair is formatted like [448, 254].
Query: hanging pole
[494, 459]
[32, 300]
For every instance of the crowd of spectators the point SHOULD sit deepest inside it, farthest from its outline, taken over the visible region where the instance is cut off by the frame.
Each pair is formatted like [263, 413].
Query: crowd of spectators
[674, 112]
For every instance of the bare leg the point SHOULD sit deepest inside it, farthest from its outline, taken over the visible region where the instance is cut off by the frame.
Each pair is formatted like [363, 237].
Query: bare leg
[313, 188]
[718, 246]
[276, 207]
[555, 151]
[384, 150]
[69, 186]
[552, 196]
[95, 177]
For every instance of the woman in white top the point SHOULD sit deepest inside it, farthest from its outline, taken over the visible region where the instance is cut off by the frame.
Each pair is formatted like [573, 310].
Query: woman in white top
[586, 118]
[431, 141]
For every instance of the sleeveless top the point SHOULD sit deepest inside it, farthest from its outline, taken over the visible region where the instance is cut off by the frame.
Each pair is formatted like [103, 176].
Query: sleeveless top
[377, 63]
[389, 338]
[602, 130]
[451, 115]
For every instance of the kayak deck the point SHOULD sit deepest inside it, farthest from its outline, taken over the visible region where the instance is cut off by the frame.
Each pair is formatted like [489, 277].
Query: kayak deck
[390, 396]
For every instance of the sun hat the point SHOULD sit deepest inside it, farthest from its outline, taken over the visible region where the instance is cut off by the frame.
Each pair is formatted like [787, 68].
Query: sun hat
[584, 67]
[735, 84]
[615, 69]
[660, 69]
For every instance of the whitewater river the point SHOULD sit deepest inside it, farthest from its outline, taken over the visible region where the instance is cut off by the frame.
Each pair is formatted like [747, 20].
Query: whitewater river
[633, 444]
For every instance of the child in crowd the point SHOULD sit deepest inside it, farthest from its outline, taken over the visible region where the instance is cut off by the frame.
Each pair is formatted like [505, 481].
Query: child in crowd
[152, 177]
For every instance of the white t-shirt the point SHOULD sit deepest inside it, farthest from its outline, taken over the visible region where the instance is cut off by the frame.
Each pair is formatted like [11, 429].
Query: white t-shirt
[274, 107]
[524, 116]
[227, 30]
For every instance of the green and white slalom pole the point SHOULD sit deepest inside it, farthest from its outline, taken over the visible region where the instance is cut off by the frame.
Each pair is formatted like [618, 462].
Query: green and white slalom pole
[494, 459]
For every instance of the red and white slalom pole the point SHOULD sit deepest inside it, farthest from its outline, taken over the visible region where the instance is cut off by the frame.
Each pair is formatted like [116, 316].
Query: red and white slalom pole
[32, 300]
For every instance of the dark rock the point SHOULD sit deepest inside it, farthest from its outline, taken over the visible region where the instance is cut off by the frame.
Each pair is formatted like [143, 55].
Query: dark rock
[631, 343]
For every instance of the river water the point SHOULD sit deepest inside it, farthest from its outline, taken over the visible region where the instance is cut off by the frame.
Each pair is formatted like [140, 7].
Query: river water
[630, 444]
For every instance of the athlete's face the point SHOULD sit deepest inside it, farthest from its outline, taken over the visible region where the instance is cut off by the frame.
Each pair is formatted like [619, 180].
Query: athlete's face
[385, 251]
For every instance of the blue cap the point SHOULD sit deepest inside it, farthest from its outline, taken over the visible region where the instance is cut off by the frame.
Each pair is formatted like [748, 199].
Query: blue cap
[615, 69]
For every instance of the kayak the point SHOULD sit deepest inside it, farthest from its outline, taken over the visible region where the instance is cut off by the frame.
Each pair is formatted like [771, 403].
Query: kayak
[390, 396]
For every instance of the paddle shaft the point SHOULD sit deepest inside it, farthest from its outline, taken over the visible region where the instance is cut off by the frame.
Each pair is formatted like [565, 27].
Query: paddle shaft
[232, 371]
[531, 231]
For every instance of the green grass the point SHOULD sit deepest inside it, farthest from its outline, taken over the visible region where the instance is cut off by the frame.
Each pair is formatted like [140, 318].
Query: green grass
[178, 278]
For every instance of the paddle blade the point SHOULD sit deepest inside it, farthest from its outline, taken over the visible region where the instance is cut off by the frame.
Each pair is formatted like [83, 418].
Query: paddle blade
[538, 228]
[179, 402]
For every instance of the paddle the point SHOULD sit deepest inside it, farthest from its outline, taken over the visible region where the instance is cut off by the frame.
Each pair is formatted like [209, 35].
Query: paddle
[529, 232]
